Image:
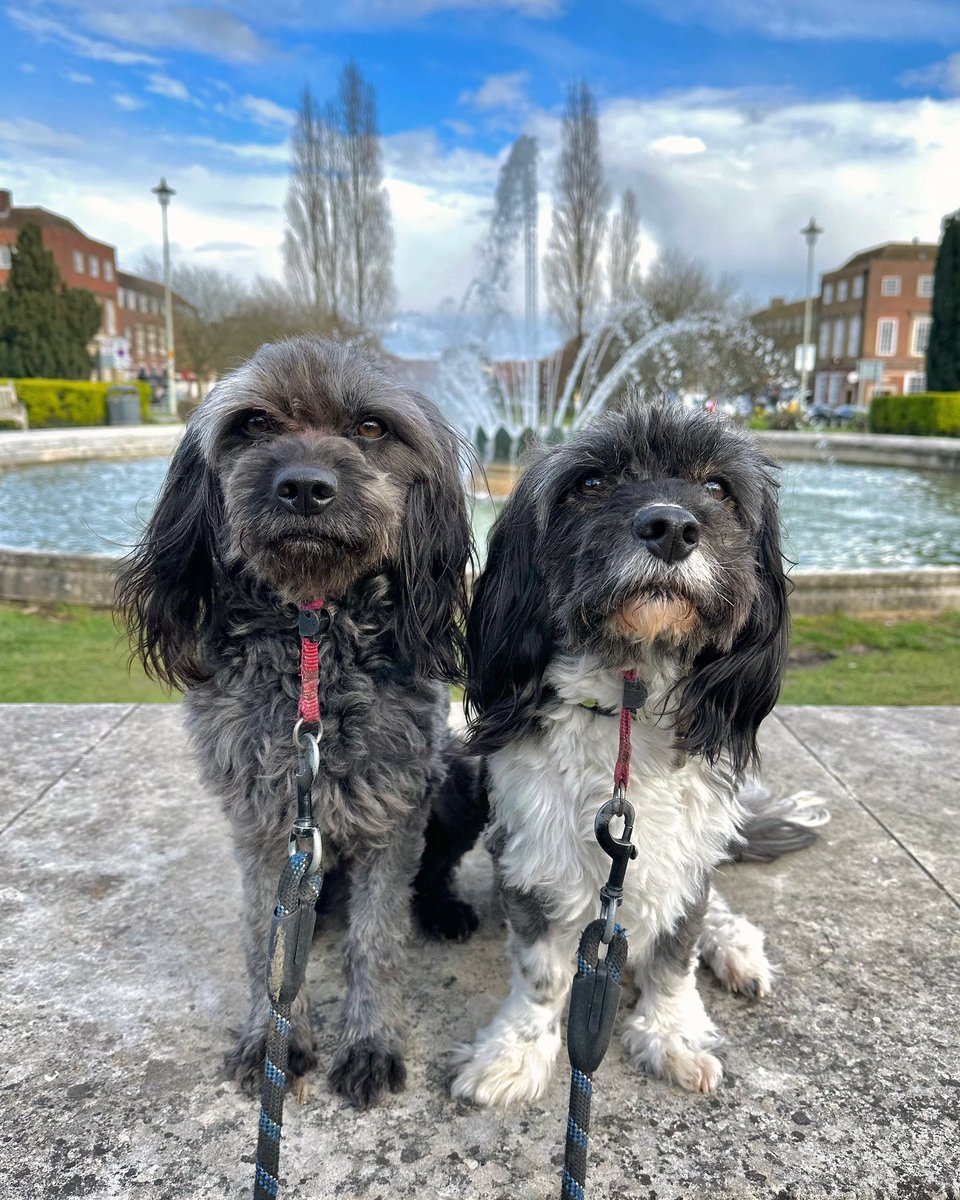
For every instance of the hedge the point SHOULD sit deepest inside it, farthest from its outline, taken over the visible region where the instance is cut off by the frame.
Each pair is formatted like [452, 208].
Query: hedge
[58, 403]
[933, 414]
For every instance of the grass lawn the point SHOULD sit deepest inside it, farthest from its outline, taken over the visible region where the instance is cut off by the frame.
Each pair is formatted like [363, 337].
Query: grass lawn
[68, 656]
[75, 655]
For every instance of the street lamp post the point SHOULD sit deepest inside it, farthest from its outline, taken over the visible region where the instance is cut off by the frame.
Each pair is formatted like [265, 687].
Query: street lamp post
[163, 193]
[810, 233]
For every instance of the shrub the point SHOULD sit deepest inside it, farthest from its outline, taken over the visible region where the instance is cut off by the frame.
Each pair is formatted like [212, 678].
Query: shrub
[60, 403]
[932, 414]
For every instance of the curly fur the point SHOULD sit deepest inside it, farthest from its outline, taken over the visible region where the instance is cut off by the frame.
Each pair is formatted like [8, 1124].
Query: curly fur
[210, 597]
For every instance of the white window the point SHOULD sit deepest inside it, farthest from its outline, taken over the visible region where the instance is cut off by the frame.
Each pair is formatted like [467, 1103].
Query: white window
[140, 343]
[152, 342]
[887, 336]
[890, 285]
[841, 291]
[853, 337]
[913, 382]
[838, 332]
[109, 318]
[921, 336]
[857, 286]
[162, 344]
[78, 262]
[128, 333]
[824, 348]
[155, 307]
[5, 260]
[108, 270]
[828, 293]
[833, 392]
[924, 285]
[94, 267]
[144, 303]
[820, 390]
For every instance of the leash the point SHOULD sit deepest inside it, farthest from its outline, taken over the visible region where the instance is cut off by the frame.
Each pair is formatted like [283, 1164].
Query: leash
[595, 996]
[291, 931]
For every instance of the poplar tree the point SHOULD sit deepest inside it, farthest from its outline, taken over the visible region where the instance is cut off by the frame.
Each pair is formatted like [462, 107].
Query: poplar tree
[571, 266]
[624, 250]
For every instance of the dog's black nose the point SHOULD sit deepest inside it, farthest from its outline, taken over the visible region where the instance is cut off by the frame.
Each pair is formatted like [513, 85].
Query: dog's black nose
[305, 490]
[667, 530]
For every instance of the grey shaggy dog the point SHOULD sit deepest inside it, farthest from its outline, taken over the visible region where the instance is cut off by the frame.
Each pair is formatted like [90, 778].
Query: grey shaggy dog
[310, 473]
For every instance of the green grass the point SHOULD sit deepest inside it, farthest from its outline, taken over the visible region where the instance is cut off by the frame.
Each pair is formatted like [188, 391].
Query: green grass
[75, 655]
[842, 660]
[68, 656]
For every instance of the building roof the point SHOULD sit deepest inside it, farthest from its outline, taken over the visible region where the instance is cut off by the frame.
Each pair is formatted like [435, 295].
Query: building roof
[779, 308]
[16, 218]
[137, 283]
[893, 252]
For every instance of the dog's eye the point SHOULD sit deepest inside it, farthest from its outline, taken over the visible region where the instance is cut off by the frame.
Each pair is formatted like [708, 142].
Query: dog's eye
[590, 484]
[256, 424]
[717, 489]
[371, 429]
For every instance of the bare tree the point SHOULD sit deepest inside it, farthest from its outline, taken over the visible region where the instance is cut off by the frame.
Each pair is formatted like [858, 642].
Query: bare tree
[677, 286]
[571, 268]
[366, 207]
[313, 248]
[624, 250]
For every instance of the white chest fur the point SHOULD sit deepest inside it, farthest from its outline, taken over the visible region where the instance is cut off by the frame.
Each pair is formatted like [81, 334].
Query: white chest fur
[546, 790]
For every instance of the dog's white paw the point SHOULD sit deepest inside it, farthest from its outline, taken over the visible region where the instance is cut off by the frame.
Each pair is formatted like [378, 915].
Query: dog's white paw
[675, 1059]
[505, 1069]
[739, 961]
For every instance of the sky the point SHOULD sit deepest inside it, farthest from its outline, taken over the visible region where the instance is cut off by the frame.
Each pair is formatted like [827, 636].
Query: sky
[734, 121]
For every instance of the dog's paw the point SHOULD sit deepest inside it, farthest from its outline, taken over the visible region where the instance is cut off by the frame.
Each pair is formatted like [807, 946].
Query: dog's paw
[244, 1062]
[505, 1070]
[740, 963]
[675, 1059]
[448, 919]
[364, 1070]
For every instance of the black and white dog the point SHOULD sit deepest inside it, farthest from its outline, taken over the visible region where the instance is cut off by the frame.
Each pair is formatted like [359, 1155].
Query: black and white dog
[310, 473]
[649, 541]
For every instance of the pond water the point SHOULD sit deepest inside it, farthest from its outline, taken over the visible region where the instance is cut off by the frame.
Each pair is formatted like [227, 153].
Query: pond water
[835, 516]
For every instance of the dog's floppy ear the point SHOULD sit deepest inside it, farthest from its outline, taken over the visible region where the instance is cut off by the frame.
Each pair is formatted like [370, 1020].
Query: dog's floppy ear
[509, 637]
[165, 590]
[728, 695]
[436, 543]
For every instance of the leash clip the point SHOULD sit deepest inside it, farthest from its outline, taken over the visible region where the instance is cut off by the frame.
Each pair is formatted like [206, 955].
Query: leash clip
[621, 850]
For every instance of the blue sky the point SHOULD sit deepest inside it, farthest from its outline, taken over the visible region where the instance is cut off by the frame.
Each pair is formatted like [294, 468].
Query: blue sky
[732, 119]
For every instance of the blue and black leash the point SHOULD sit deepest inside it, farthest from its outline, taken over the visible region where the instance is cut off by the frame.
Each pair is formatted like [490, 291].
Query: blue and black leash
[595, 996]
[294, 917]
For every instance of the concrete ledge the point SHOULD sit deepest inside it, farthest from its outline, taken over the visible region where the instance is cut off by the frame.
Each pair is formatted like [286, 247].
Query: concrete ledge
[41, 577]
[44, 577]
[106, 441]
[877, 449]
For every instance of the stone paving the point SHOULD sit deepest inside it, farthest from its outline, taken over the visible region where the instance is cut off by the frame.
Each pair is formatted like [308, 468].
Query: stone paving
[121, 969]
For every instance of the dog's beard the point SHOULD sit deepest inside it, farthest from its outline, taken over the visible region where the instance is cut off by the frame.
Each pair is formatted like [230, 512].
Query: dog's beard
[303, 568]
[656, 614]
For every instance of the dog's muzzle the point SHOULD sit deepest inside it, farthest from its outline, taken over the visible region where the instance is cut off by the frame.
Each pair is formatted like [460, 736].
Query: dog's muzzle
[305, 491]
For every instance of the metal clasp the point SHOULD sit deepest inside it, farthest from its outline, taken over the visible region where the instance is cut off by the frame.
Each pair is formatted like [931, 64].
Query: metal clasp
[621, 850]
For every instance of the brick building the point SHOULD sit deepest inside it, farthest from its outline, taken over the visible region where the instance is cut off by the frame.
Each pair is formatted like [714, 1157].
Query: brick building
[782, 322]
[131, 308]
[140, 318]
[875, 324]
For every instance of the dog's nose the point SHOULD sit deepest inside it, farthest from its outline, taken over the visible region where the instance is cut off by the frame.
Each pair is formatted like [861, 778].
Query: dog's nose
[667, 530]
[305, 490]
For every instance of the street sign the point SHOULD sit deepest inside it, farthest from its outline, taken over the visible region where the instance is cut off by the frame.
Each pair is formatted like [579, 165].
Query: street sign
[805, 357]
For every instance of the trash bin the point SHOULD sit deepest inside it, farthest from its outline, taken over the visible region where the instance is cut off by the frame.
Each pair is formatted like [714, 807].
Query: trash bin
[123, 405]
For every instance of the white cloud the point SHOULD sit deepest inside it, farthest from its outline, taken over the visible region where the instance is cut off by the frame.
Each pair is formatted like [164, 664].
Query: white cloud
[266, 112]
[498, 91]
[820, 20]
[941, 76]
[172, 89]
[678, 144]
[76, 77]
[45, 29]
[244, 151]
[30, 136]
[27, 69]
[126, 102]
[189, 27]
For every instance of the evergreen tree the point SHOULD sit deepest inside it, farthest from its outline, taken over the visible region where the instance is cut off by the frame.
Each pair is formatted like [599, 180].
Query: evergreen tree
[44, 326]
[943, 349]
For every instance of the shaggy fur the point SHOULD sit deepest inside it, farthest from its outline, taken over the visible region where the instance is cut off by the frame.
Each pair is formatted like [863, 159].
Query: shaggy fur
[210, 597]
[648, 541]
